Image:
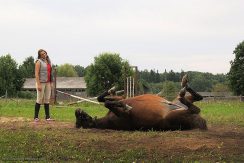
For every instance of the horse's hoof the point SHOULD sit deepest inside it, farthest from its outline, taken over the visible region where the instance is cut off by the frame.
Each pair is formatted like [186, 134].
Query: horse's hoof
[111, 91]
[184, 81]
[128, 107]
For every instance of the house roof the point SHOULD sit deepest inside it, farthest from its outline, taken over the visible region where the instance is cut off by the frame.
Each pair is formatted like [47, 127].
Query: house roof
[62, 83]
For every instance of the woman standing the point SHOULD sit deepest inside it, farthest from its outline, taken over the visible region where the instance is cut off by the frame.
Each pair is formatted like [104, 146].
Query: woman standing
[43, 74]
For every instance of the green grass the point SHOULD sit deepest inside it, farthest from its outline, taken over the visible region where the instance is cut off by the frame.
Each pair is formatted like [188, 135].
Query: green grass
[59, 144]
[39, 145]
[223, 112]
[25, 108]
[215, 112]
[53, 144]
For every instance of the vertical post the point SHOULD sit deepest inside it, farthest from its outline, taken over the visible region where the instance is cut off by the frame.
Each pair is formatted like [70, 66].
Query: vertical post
[165, 89]
[55, 86]
[241, 98]
[133, 87]
[125, 90]
[130, 86]
[6, 94]
[127, 87]
[136, 81]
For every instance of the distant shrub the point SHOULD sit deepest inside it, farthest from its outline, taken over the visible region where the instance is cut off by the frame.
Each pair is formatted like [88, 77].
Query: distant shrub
[26, 94]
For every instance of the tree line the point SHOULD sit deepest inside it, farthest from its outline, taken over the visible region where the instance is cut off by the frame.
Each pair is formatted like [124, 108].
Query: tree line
[109, 69]
[200, 81]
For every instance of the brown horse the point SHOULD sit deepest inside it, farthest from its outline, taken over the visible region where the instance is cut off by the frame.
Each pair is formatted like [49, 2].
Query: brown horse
[146, 112]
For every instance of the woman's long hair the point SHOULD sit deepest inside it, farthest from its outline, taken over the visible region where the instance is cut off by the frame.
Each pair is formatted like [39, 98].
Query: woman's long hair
[39, 55]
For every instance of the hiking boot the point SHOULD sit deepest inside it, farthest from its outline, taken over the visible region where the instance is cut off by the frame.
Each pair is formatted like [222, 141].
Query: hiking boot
[184, 81]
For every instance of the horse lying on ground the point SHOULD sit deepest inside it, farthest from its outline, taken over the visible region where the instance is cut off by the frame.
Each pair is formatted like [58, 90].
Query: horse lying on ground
[147, 112]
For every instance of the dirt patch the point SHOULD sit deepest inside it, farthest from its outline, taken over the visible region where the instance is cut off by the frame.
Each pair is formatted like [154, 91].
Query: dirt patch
[13, 119]
[218, 143]
[20, 121]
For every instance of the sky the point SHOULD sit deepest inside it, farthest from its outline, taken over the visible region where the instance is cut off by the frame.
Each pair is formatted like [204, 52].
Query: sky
[189, 35]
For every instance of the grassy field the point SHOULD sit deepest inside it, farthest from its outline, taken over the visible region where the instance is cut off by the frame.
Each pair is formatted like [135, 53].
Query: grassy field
[215, 112]
[223, 112]
[25, 108]
[23, 140]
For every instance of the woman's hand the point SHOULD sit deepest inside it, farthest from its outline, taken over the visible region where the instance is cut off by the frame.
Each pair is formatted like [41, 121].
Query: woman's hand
[39, 87]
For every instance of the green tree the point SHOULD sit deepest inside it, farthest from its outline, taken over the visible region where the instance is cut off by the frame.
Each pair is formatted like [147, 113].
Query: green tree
[151, 77]
[108, 69]
[80, 70]
[220, 87]
[28, 68]
[200, 83]
[66, 70]
[145, 75]
[170, 90]
[11, 79]
[157, 77]
[236, 73]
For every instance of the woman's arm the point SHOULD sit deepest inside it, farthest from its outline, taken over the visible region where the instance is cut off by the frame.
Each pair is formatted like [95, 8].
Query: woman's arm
[37, 75]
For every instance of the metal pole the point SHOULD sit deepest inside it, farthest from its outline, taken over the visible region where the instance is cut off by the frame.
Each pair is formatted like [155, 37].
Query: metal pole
[127, 87]
[136, 81]
[55, 86]
[130, 86]
[133, 87]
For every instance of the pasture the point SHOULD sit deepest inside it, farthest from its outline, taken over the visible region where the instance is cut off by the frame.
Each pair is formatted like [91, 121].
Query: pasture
[23, 140]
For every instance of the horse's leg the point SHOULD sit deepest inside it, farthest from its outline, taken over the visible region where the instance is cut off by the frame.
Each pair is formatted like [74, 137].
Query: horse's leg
[185, 87]
[101, 98]
[195, 96]
[193, 109]
[111, 91]
[187, 100]
[118, 108]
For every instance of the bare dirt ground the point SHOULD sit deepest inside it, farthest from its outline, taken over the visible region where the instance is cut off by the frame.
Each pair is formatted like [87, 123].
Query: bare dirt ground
[218, 143]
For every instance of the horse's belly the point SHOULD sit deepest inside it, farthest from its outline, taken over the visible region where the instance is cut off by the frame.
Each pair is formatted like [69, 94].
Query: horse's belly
[147, 110]
[148, 114]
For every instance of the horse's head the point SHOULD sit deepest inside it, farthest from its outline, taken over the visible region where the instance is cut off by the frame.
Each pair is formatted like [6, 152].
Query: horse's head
[199, 122]
[83, 119]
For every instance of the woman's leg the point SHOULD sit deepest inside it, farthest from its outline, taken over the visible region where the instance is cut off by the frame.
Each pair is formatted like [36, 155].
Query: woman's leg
[47, 95]
[37, 109]
[39, 100]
